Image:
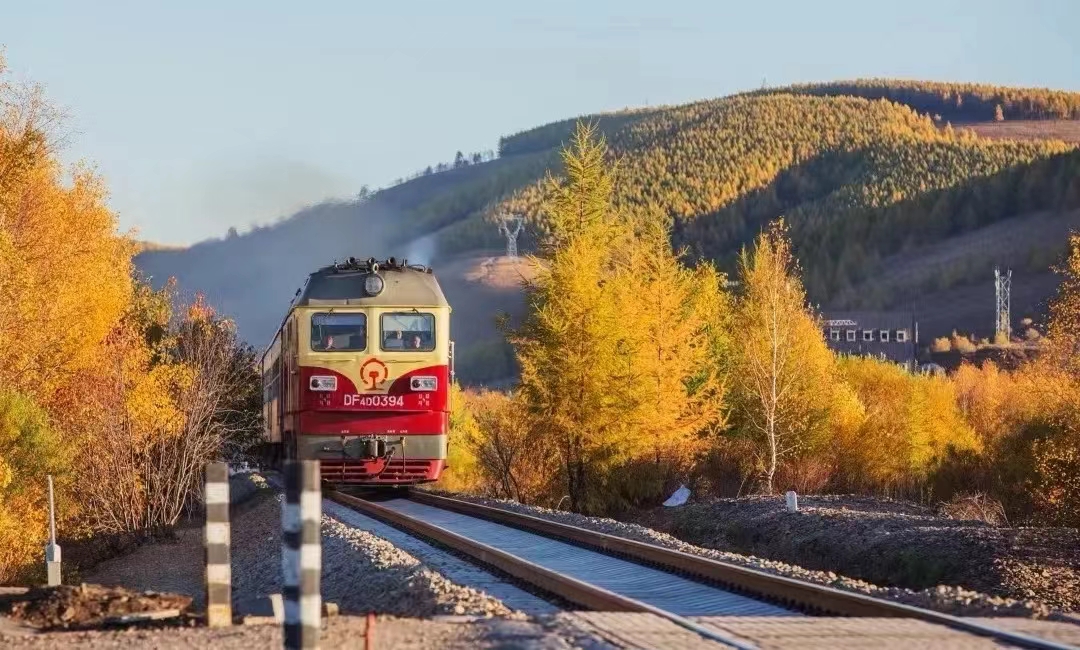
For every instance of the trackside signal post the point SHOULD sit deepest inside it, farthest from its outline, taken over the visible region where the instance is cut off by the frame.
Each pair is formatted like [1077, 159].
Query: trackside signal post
[52, 549]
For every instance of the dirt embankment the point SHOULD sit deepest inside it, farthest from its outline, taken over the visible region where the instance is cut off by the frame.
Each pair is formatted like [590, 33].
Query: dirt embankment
[888, 543]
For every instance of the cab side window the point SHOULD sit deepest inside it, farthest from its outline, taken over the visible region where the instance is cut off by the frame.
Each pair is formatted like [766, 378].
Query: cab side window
[332, 332]
[407, 331]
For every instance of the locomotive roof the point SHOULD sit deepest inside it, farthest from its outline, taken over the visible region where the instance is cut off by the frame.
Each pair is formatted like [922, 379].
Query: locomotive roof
[343, 284]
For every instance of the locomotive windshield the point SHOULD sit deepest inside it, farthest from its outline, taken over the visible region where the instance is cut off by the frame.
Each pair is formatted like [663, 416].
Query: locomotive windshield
[408, 331]
[338, 332]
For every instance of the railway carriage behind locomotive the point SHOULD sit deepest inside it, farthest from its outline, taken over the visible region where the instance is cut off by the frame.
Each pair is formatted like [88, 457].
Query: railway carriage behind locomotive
[358, 375]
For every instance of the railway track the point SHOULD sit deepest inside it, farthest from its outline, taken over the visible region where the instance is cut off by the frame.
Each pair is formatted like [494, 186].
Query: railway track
[601, 572]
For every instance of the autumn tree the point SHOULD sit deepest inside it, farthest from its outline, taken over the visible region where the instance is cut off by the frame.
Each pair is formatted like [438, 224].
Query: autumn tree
[784, 369]
[30, 449]
[462, 472]
[1064, 323]
[618, 359]
[93, 366]
[181, 390]
[674, 324]
[509, 461]
[571, 350]
[64, 271]
[1057, 455]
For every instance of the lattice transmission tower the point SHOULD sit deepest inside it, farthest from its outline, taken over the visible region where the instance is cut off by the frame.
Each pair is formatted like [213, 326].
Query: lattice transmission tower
[1002, 291]
[512, 233]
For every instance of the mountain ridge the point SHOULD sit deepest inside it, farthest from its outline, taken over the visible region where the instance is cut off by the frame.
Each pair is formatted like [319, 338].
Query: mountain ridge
[862, 178]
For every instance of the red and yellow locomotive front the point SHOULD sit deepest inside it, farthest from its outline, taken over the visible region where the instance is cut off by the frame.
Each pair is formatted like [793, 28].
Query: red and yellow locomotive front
[371, 383]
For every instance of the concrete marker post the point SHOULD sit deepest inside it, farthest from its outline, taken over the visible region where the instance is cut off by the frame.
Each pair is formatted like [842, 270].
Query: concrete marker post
[792, 501]
[301, 554]
[52, 549]
[216, 539]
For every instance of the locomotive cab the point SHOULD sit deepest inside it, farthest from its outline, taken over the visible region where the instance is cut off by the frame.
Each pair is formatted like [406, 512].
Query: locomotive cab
[362, 364]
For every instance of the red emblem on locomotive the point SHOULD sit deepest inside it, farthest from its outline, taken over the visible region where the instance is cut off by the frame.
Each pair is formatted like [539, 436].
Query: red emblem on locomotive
[373, 372]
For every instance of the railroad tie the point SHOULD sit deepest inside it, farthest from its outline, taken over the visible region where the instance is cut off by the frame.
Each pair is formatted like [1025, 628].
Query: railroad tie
[216, 540]
[301, 554]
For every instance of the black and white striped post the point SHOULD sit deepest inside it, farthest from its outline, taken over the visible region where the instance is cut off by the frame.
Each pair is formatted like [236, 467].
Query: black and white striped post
[216, 538]
[301, 554]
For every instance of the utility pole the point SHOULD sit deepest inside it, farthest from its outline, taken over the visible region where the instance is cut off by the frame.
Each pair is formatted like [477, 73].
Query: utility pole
[512, 234]
[1002, 291]
[52, 549]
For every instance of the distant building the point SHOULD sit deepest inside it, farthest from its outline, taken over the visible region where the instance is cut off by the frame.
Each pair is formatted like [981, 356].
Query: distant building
[886, 335]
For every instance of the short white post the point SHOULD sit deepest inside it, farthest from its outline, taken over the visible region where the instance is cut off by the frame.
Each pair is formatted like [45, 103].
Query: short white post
[792, 501]
[52, 549]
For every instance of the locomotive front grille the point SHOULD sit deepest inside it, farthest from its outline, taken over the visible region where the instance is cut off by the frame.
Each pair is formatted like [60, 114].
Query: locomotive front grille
[346, 471]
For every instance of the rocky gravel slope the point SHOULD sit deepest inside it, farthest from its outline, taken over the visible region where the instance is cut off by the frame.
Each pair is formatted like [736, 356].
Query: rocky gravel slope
[890, 542]
[836, 541]
[338, 632]
[362, 572]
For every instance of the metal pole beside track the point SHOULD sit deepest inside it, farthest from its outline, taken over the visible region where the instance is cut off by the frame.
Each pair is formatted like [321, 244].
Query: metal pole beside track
[301, 554]
[216, 539]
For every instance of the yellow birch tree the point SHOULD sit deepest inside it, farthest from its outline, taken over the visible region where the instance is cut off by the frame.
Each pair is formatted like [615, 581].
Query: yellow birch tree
[785, 371]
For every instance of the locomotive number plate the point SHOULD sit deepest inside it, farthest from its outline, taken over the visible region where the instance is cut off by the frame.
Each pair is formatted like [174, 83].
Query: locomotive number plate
[375, 401]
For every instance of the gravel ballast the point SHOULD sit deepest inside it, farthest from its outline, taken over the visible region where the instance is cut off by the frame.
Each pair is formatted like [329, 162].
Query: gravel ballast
[338, 632]
[364, 568]
[851, 537]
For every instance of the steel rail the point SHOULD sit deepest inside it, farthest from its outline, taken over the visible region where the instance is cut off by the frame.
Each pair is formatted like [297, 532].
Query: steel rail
[797, 594]
[573, 590]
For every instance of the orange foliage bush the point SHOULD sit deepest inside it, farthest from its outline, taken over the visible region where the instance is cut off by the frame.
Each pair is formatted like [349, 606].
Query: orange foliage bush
[907, 425]
[511, 462]
[29, 450]
[90, 365]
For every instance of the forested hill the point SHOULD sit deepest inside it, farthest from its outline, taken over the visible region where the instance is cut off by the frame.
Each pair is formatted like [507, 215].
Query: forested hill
[864, 182]
[959, 102]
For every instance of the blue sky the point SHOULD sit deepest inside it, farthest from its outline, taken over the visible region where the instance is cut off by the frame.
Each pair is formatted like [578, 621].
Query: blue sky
[204, 115]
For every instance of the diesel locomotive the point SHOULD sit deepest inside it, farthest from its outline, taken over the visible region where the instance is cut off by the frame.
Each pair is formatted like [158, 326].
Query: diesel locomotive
[358, 375]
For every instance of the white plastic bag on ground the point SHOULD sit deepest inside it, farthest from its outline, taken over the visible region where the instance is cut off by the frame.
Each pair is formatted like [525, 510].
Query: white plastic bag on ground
[679, 497]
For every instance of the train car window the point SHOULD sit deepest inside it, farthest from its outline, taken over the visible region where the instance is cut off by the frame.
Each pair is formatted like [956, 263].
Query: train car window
[332, 332]
[407, 331]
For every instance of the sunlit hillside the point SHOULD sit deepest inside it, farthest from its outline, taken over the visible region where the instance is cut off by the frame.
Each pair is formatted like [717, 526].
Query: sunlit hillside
[864, 182]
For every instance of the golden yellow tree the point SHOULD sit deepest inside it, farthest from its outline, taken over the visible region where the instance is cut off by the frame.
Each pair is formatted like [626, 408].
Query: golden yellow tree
[30, 449]
[510, 460]
[672, 318]
[463, 472]
[1064, 323]
[92, 369]
[909, 423]
[785, 370]
[574, 366]
[64, 271]
[1057, 456]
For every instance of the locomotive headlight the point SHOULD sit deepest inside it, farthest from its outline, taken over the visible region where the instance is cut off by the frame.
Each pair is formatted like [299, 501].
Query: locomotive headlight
[323, 383]
[373, 285]
[424, 383]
